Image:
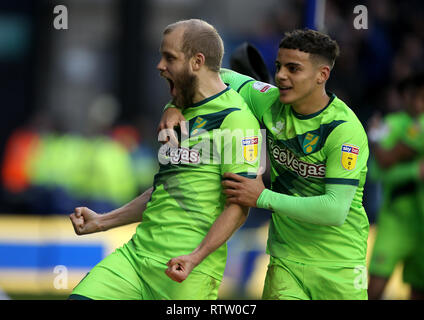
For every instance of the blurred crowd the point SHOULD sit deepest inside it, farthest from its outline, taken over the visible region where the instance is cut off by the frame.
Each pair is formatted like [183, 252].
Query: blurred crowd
[48, 172]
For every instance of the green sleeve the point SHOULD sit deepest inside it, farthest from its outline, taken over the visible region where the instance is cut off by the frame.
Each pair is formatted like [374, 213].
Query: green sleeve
[241, 142]
[347, 154]
[401, 173]
[234, 79]
[169, 105]
[258, 95]
[329, 209]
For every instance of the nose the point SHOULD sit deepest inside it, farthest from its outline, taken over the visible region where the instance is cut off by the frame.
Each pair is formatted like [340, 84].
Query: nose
[161, 65]
[280, 75]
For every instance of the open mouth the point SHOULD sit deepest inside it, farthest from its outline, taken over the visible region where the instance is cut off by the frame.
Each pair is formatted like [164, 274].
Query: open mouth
[172, 89]
[284, 89]
[171, 84]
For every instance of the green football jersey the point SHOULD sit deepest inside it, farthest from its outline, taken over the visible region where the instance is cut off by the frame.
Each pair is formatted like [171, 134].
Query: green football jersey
[390, 132]
[224, 136]
[401, 214]
[306, 153]
[394, 127]
[401, 178]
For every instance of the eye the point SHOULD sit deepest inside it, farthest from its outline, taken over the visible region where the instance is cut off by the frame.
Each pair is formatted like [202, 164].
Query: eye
[168, 57]
[277, 66]
[293, 68]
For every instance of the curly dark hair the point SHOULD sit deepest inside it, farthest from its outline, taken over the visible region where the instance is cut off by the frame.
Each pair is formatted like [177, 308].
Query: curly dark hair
[316, 43]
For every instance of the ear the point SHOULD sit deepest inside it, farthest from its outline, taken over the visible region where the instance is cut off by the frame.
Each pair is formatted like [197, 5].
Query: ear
[323, 74]
[197, 61]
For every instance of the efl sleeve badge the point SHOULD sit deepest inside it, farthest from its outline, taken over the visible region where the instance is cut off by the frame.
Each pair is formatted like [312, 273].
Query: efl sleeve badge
[250, 148]
[349, 156]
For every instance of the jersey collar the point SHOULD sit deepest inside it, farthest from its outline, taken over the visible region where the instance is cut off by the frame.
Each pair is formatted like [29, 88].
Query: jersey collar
[197, 104]
[312, 115]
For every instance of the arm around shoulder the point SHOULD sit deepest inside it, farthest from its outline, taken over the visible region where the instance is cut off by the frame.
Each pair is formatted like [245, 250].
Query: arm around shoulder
[330, 209]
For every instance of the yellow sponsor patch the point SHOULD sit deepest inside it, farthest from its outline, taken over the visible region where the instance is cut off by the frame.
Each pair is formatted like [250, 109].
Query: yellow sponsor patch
[250, 148]
[349, 156]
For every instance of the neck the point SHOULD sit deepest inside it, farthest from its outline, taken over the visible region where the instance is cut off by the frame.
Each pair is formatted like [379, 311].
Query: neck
[209, 84]
[312, 103]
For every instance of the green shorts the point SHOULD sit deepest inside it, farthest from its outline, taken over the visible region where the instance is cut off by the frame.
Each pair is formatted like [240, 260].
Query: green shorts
[397, 236]
[124, 275]
[413, 268]
[289, 280]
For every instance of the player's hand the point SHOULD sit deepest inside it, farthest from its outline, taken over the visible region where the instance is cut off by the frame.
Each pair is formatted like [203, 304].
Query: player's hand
[85, 221]
[180, 267]
[171, 118]
[241, 190]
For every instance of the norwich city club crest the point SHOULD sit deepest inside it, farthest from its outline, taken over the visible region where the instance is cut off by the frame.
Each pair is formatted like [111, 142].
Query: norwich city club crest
[309, 143]
[198, 124]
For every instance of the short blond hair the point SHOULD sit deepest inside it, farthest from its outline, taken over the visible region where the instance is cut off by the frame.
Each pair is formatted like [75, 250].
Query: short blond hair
[200, 37]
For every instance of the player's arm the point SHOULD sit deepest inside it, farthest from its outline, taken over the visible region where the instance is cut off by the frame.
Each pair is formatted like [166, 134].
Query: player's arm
[346, 150]
[404, 172]
[222, 229]
[385, 136]
[330, 208]
[172, 117]
[258, 95]
[87, 221]
[387, 158]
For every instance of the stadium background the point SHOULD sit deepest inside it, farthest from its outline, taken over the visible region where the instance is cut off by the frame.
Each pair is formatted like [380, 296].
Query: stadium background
[80, 108]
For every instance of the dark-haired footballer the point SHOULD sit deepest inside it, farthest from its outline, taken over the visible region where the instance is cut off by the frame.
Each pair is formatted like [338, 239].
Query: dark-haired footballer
[318, 151]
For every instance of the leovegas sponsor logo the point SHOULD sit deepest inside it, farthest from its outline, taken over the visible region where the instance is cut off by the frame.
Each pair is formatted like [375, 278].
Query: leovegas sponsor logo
[179, 155]
[286, 158]
[238, 146]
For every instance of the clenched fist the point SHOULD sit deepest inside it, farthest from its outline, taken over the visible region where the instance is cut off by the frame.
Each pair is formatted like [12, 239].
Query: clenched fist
[85, 221]
[180, 267]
